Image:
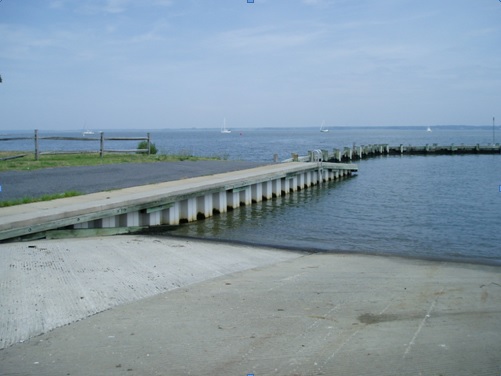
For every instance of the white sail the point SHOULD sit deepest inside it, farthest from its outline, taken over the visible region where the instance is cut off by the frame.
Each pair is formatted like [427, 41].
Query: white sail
[322, 129]
[223, 128]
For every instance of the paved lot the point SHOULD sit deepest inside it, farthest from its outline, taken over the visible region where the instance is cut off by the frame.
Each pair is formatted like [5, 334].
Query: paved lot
[319, 314]
[90, 179]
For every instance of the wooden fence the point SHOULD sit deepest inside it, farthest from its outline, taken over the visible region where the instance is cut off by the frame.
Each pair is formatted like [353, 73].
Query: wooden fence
[101, 139]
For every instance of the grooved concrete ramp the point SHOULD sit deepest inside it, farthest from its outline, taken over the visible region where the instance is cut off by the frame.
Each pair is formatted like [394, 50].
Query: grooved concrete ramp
[320, 314]
[47, 284]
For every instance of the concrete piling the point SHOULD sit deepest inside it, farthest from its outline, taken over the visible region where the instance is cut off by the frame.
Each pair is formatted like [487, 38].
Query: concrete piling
[366, 151]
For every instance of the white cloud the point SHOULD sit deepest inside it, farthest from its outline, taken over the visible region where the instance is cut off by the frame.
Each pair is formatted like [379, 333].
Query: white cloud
[165, 3]
[323, 3]
[107, 6]
[118, 6]
[262, 39]
[56, 4]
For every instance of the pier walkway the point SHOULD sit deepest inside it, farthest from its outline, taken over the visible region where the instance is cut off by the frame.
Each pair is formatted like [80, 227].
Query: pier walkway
[169, 203]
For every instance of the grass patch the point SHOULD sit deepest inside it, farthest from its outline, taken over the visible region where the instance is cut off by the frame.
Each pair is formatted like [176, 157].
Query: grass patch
[28, 200]
[28, 162]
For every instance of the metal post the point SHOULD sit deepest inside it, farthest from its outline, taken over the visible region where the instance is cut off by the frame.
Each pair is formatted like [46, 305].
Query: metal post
[101, 147]
[37, 152]
[493, 131]
[148, 142]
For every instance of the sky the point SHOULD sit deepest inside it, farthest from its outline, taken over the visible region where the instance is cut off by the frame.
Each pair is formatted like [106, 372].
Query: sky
[154, 64]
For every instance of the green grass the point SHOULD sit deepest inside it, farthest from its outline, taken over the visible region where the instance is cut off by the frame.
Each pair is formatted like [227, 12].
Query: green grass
[28, 200]
[28, 162]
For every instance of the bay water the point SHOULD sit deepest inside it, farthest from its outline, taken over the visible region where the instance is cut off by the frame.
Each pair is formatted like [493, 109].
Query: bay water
[433, 207]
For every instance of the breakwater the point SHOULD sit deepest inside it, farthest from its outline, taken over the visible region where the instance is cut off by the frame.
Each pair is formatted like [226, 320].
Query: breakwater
[355, 152]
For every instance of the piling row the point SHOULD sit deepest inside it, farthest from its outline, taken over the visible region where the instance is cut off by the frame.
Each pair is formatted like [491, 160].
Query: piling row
[204, 204]
[348, 154]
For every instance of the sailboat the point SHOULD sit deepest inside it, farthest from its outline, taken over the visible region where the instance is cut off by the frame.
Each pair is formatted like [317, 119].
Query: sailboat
[87, 131]
[223, 128]
[428, 130]
[322, 129]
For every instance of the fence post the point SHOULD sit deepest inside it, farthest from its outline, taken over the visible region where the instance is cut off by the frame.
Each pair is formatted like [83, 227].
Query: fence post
[37, 152]
[101, 146]
[148, 142]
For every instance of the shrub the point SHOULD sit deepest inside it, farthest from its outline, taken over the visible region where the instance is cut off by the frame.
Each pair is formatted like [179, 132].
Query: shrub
[144, 145]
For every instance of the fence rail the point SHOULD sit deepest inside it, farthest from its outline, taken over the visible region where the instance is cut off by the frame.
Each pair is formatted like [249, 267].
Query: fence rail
[101, 139]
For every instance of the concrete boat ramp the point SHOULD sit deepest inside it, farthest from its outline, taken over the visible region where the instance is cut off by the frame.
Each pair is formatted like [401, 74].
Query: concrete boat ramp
[170, 203]
[182, 307]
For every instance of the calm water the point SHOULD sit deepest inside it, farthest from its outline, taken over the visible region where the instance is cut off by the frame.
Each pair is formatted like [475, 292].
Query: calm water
[432, 207]
[428, 207]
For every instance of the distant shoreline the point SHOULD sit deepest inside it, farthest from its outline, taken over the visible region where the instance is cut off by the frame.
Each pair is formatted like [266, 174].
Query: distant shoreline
[216, 129]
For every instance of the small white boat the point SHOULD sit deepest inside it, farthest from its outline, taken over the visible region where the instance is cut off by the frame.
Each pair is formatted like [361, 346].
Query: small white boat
[87, 132]
[428, 130]
[322, 129]
[223, 128]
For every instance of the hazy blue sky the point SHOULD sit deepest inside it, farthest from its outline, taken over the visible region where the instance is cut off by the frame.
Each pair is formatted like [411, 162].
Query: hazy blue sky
[101, 64]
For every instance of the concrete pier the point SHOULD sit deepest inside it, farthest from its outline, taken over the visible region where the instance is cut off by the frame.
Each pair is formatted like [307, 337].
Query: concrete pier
[169, 203]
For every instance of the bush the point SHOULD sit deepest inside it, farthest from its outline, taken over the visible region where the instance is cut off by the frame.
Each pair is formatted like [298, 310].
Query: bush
[144, 145]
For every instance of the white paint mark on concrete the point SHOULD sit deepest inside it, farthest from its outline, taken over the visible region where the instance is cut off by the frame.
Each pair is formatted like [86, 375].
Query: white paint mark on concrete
[420, 327]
